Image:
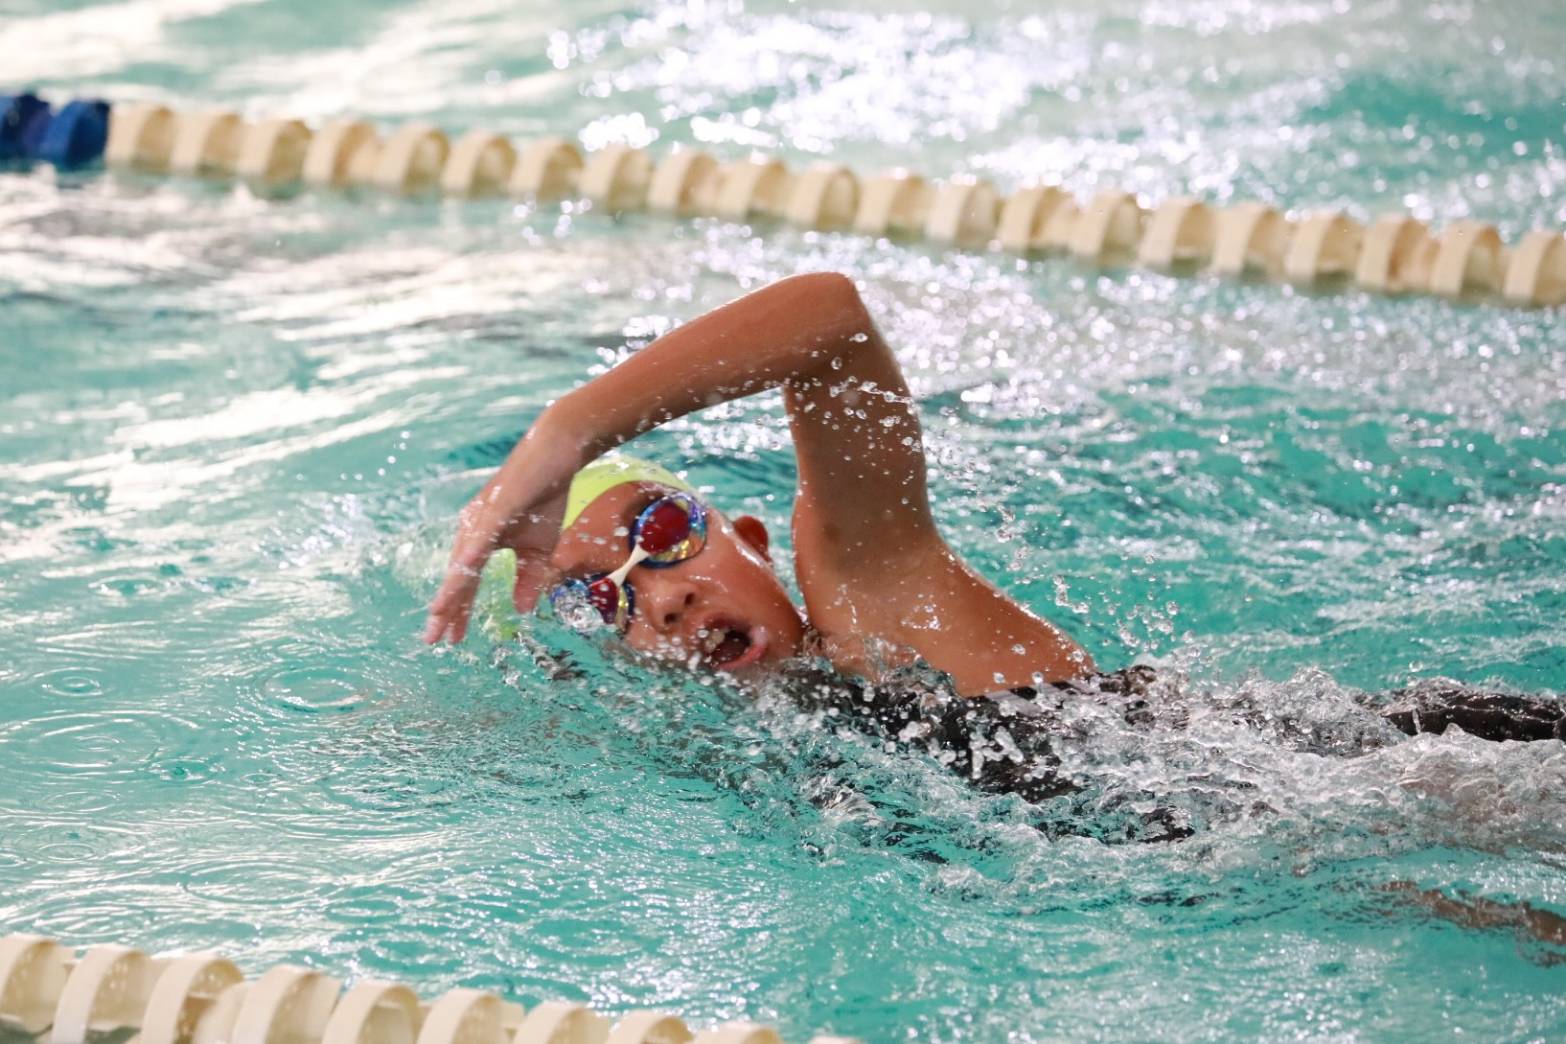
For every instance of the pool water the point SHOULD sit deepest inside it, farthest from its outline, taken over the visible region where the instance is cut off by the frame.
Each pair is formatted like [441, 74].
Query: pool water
[234, 432]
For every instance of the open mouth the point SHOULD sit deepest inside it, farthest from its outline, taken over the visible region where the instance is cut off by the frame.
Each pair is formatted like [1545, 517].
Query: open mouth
[728, 647]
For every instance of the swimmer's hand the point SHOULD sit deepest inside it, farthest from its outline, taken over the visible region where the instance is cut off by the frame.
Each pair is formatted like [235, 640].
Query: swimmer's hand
[520, 508]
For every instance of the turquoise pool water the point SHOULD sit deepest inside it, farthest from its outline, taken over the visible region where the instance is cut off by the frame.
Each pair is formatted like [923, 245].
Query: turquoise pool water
[233, 433]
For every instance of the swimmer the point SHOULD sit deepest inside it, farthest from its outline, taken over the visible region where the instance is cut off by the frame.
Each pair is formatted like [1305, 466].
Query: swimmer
[622, 547]
[876, 575]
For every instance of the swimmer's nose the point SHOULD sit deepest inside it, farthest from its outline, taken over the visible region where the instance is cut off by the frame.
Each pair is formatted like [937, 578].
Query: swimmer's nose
[666, 603]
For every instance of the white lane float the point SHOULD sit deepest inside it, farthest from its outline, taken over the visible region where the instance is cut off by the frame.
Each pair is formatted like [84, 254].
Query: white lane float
[895, 203]
[963, 213]
[1251, 238]
[33, 974]
[1323, 246]
[206, 144]
[1536, 274]
[1469, 257]
[650, 1027]
[479, 164]
[826, 196]
[616, 177]
[1179, 231]
[340, 153]
[1025, 218]
[546, 169]
[107, 990]
[141, 137]
[187, 990]
[410, 159]
[1396, 255]
[754, 187]
[272, 153]
[684, 183]
[1108, 228]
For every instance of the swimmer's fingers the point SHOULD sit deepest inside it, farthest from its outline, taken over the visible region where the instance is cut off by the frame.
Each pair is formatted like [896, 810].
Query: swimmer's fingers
[534, 539]
[483, 526]
[453, 603]
[531, 536]
[533, 573]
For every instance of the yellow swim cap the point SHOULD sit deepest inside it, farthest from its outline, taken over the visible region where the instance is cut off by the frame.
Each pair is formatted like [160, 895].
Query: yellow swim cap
[609, 471]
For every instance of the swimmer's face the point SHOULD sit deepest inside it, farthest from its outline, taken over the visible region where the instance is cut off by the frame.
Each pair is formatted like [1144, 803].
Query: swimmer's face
[724, 606]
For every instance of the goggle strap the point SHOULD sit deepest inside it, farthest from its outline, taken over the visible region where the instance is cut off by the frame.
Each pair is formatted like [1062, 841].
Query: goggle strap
[638, 553]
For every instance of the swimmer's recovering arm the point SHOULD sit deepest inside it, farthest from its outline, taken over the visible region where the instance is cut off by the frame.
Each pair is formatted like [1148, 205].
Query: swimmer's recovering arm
[855, 430]
[855, 426]
[862, 519]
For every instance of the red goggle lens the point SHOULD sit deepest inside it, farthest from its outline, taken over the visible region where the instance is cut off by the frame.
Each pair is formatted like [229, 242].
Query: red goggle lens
[664, 526]
[603, 594]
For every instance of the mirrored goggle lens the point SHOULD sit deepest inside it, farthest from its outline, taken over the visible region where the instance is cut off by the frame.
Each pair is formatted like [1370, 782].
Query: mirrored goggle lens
[670, 529]
[589, 604]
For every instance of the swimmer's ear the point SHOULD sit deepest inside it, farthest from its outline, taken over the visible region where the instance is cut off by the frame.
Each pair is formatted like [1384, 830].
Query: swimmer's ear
[753, 532]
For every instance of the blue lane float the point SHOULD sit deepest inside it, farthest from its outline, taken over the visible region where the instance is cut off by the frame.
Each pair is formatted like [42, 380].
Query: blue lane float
[76, 136]
[32, 131]
[24, 118]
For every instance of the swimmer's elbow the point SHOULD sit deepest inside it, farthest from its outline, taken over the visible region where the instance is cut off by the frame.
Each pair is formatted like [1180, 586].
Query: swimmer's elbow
[835, 286]
[832, 294]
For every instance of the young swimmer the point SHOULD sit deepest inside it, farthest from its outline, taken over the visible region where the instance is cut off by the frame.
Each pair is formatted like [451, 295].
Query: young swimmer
[624, 547]
[873, 568]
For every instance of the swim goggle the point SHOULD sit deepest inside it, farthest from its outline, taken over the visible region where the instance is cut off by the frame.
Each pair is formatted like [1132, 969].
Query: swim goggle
[668, 531]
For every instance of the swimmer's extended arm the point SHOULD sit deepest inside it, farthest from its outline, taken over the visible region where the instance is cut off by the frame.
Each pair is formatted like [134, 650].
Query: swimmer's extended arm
[872, 561]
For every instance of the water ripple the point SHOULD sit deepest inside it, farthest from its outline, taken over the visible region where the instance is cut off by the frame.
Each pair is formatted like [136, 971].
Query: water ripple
[108, 745]
[316, 690]
[73, 682]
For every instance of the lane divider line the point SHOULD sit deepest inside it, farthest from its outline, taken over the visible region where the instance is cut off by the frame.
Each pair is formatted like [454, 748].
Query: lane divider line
[1394, 254]
[52, 993]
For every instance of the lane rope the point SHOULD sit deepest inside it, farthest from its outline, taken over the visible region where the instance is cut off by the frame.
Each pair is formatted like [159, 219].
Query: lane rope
[55, 994]
[1394, 254]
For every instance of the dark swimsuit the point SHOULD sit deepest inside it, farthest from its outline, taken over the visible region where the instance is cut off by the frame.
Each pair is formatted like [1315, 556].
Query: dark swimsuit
[1005, 742]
